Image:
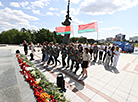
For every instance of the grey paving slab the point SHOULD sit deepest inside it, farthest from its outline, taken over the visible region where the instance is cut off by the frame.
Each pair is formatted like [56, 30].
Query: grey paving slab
[12, 94]
[13, 88]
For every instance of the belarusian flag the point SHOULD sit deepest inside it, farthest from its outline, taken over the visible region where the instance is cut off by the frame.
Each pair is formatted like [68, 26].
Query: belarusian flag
[91, 27]
[63, 30]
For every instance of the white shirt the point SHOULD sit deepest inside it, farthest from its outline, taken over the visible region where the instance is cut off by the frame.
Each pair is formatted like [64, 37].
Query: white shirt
[117, 53]
[107, 48]
[86, 57]
[102, 47]
[83, 46]
[91, 47]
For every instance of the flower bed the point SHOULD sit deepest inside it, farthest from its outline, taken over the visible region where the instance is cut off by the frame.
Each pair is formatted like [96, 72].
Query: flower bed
[44, 90]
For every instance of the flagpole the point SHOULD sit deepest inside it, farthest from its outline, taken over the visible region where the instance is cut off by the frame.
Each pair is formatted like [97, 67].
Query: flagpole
[97, 32]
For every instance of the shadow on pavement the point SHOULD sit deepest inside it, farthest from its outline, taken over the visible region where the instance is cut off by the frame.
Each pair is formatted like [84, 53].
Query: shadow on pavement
[111, 69]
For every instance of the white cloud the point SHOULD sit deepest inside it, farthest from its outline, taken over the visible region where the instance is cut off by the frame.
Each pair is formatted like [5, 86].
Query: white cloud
[14, 4]
[96, 21]
[76, 21]
[49, 13]
[74, 1]
[53, 9]
[72, 11]
[57, 14]
[113, 28]
[24, 4]
[1, 4]
[51, 29]
[101, 7]
[63, 12]
[37, 3]
[36, 11]
[15, 19]
[136, 32]
[40, 3]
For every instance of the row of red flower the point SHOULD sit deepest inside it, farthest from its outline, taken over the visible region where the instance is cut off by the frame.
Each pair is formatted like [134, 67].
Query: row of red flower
[38, 91]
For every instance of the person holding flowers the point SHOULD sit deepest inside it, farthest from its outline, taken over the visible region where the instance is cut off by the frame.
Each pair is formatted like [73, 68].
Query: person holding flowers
[69, 49]
[86, 61]
[50, 51]
[74, 56]
[56, 54]
[79, 59]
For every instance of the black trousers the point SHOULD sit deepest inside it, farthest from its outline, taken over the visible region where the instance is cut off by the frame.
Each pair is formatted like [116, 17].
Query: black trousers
[26, 51]
[100, 55]
[43, 57]
[72, 64]
[104, 56]
[50, 59]
[56, 60]
[77, 67]
[63, 62]
[112, 59]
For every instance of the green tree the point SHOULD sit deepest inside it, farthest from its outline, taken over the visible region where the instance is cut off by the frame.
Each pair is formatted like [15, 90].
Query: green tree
[59, 38]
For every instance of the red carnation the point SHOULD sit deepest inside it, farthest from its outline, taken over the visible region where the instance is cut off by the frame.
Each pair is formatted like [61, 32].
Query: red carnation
[43, 100]
[55, 100]
[77, 55]
[21, 72]
[124, 51]
[51, 96]
[77, 39]
[27, 66]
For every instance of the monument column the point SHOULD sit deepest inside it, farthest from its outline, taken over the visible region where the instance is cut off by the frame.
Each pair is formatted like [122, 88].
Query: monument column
[67, 23]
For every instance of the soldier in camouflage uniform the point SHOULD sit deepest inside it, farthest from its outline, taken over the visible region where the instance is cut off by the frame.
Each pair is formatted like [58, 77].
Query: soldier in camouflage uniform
[64, 55]
[79, 59]
[56, 54]
[50, 51]
[74, 56]
[69, 49]
[43, 51]
[95, 52]
[46, 48]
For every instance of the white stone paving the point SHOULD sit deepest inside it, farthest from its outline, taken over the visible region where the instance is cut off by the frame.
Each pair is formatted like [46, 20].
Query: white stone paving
[122, 87]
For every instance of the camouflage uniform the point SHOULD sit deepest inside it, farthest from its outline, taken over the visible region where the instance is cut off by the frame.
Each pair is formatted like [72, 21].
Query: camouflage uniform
[64, 55]
[74, 57]
[46, 53]
[70, 49]
[56, 54]
[78, 60]
[50, 51]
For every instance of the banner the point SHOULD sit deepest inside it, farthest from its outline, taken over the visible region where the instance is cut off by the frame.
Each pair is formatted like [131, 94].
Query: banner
[91, 27]
[64, 30]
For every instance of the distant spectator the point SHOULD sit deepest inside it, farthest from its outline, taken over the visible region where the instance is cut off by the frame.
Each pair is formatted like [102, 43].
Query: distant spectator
[116, 56]
[95, 52]
[25, 44]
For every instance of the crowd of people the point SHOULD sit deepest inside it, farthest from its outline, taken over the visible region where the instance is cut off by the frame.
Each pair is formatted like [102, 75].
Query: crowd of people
[78, 54]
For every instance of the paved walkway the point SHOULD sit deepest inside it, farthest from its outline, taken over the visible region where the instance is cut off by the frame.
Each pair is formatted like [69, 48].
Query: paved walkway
[110, 85]
[13, 88]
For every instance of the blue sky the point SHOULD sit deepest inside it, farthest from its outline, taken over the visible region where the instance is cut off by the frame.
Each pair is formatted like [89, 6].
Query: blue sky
[113, 16]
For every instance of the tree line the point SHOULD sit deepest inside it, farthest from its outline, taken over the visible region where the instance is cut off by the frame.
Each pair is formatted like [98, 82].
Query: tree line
[14, 36]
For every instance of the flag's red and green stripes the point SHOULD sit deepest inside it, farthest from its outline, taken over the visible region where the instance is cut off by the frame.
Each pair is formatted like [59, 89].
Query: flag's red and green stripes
[91, 27]
[63, 30]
